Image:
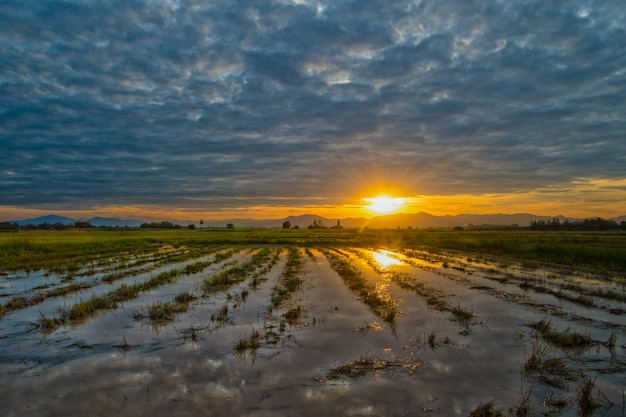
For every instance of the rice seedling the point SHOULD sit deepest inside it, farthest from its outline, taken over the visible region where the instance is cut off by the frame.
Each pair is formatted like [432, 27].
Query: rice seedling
[250, 342]
[290, 280]
[588, 402]
[184, 298]
[375, 297]
[248, 346]
[462, 315]
[563, 339]
[432, 340]
[366, 327]
[108, 301]
[221, 316]
[87, 308]
[124, 345]
[163, 312]
[293, 316]
[486, 410]
[359, 368]
[46, 324]
[191, 333]
[226, 278]
[551, 371]
[524, 407]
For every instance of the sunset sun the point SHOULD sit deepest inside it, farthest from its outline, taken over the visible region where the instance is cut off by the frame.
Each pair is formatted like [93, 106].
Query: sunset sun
[383, 205]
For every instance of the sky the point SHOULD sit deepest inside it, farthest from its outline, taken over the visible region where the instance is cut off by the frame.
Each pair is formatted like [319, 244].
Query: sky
[186, 109]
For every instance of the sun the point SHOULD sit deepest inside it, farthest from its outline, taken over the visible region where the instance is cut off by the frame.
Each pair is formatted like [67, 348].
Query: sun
[384, 204]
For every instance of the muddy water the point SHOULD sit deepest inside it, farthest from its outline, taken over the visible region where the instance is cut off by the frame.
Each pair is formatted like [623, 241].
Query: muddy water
[424, 363]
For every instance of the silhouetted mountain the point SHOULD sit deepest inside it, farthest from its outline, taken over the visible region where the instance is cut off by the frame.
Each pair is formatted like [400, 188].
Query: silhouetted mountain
[391, 221]
[114, 222]
[403, 220]
[52, 219]
[520, 219]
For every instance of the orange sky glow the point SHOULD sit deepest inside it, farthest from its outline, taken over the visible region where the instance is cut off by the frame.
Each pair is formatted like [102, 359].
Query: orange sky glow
[590, 198]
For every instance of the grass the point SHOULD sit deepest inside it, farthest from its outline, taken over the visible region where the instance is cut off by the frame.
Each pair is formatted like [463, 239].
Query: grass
[587, 401]
[252, 342]
[462, 315]
[290, 280]
[248, 346]
[162, 312]
[221, 316]
[487, 409]
[597, 250]
[294, 316]
[108, 301]
[359, 368]
[68, 250]
[550, 370]
[376, 298]
[236, 274]
[563, 339]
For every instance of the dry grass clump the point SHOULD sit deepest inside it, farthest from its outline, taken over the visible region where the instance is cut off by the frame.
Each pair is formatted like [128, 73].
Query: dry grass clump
[293, 316]
[221, 316]
[248, 346]
[252, 342]
[587, 402]
[486, 410]
[359, 368]
[551, 371]
[462, 315]
[562, 339]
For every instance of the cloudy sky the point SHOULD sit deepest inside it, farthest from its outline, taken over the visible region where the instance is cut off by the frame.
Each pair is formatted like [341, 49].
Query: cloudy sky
[263, 108]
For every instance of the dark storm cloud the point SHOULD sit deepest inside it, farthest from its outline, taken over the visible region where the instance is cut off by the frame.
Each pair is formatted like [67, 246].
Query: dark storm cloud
[193, 102]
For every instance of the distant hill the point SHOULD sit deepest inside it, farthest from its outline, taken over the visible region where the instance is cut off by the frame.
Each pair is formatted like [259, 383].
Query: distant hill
[52, 219]
[419, 220]
[404, 220]
[114, 222]
[95, 221]
[520, 219]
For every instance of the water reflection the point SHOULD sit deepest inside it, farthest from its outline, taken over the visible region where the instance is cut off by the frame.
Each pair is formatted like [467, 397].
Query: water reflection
[384, 259]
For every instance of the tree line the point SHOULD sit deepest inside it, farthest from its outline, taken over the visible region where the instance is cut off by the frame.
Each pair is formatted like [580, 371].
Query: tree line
[44, 226]
[589, 224]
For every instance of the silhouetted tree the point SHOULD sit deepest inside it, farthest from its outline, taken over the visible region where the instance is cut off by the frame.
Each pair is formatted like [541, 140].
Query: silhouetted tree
[592, 223]
[160, 225]
[9, 226]
[287, 224]
[82, 225]
[317, 224]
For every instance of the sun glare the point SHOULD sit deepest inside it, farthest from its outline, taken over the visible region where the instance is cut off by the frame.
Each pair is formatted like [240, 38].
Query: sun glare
[384, 259]
[385, 204]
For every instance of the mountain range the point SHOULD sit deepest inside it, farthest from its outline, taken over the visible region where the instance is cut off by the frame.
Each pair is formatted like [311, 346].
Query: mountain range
[95, 221]
[402, 220]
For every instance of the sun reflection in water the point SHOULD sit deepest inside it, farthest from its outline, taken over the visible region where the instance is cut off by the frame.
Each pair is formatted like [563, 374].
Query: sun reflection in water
[384, 259]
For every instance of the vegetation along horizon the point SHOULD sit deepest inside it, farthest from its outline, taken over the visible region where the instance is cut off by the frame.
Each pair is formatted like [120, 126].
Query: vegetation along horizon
[274, 322]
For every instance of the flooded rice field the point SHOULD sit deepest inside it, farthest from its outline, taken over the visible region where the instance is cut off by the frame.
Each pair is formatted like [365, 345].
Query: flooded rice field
[277, 331]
